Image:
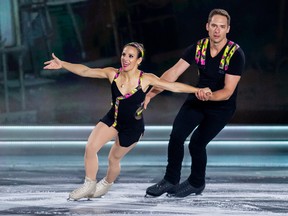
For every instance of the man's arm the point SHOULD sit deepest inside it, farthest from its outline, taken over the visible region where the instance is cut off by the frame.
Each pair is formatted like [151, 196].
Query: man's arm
[231, 82]
[171, 75]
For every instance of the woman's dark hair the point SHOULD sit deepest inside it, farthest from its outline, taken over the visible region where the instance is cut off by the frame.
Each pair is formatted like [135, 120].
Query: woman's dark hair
[138, 46]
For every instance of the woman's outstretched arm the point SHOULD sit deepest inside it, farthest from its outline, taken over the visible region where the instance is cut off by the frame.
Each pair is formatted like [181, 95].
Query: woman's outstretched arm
[155, 81]
[79, 69]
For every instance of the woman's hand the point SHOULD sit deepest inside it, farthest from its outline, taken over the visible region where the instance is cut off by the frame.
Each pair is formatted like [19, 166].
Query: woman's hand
[54, 63]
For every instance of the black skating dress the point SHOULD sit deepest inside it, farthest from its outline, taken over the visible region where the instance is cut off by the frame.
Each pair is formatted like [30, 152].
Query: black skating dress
[125, 114]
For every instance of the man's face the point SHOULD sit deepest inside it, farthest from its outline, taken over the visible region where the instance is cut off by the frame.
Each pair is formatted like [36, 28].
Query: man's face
[217, 28]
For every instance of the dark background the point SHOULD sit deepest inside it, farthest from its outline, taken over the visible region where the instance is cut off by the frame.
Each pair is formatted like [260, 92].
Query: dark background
[165, 27]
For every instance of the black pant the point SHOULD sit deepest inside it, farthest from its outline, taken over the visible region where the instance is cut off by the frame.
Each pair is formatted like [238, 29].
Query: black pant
[210, 121]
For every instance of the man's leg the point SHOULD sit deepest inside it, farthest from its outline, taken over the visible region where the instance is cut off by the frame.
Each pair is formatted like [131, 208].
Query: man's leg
[185, 122]
[211, 125]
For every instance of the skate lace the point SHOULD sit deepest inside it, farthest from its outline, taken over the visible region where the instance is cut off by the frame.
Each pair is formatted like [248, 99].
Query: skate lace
[103, 184]
[185, 186]
[162, 183]
[102, 188]
[83, 188]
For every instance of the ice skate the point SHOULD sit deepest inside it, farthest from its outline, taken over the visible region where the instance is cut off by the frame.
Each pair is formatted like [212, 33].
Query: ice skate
[185, 189]
[160, 188]
[102, 188]
[85, 191]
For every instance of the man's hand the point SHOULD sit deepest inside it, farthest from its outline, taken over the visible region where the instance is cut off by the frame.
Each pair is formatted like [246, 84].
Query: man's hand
[204, 94]
[146, 101]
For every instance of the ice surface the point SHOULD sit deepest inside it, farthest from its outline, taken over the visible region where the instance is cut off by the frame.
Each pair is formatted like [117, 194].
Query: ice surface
[229, 191]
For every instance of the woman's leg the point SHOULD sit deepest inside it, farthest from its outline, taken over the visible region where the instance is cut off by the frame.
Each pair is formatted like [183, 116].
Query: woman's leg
[117, 152]
[100, 135]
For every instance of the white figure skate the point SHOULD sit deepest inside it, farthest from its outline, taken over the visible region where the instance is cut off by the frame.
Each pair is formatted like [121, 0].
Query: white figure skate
[84, 191]
[102, 188]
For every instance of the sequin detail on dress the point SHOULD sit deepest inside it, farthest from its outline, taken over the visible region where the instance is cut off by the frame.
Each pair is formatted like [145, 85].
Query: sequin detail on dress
[123, 97]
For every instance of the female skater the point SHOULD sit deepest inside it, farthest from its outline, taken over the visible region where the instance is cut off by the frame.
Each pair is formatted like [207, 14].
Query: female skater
[124, 121]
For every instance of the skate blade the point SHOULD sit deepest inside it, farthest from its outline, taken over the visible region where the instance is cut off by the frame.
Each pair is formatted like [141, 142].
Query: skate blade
[172, 196]
[176, 197]
[98, 197]
[150, 196]
[79, 200]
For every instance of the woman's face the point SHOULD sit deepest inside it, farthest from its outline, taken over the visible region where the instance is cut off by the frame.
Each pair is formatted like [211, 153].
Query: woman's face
[129, 58]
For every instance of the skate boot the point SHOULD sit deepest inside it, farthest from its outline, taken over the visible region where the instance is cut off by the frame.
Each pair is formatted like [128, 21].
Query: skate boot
[102, 188]
[185, 189]
[160, 188]
[84, 191]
